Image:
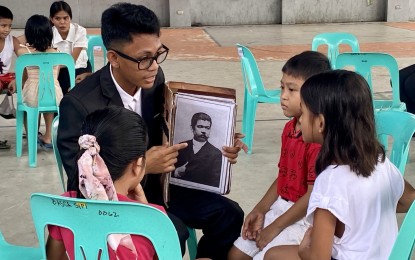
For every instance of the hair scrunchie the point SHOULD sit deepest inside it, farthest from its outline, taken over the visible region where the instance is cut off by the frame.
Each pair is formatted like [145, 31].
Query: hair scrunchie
[95, 183]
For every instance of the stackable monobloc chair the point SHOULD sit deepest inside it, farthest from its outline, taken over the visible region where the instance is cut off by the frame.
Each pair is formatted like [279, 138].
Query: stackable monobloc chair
[404, 243]
[363, 63]
[103, 218]
[46, 96]
[191, 241]
[400, 126]
[255, 93]
[95, 43]
[333, 41]
[9, 251]
[58, 159]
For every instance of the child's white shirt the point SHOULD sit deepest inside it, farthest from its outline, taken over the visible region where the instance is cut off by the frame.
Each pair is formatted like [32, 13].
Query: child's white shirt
[76, 38]
[6, 54]
[367, 207]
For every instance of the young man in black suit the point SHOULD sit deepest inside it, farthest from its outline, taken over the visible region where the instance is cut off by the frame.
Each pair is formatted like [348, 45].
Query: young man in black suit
[133, 79]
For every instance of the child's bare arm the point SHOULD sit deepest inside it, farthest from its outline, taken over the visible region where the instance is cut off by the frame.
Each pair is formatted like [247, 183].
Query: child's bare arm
[318, 240]
[16, 45]
[407, 198]
[75, 53]
[269, 198]
[55, 249]
[254, 221]
[292, 215]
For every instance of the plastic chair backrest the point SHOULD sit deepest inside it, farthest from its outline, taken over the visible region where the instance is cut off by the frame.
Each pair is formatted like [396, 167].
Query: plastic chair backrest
[58, 159]
[250, 72]
[95, 41]
[404, 243]
[91, 222]
[333, 41]
[45, 62]
[364, 62]
[400, 126]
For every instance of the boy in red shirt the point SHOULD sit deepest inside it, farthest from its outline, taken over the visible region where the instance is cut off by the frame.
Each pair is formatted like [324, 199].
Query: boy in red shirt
[278, 219]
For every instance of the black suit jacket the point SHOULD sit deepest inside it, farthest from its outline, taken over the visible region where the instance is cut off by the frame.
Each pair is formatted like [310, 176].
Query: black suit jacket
[204, 167]
[97, 92]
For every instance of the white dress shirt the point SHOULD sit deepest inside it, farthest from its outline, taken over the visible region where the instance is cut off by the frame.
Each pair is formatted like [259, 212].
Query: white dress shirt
[132, 103]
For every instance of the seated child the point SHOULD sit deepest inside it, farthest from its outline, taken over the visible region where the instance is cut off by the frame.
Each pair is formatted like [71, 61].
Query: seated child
[71, 38]
[353, 205]
[116, 140]
[8, 45]
[278, 219]
[39, 35]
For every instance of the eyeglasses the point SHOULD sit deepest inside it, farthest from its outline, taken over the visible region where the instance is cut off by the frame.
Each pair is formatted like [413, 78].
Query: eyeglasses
[146, 62]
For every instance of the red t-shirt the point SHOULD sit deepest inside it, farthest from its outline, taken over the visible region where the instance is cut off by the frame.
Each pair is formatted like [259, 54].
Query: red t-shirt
[297, 163]
[144, 247]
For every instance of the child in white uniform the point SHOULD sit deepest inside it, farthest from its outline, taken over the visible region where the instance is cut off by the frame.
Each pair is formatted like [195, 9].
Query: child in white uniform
[70, 38]
[352, 207]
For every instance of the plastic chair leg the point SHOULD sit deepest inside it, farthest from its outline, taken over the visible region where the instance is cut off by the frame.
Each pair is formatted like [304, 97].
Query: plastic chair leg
[244, 115]
[32, 129]
[250, 123]
[192, 243]
[19, 133]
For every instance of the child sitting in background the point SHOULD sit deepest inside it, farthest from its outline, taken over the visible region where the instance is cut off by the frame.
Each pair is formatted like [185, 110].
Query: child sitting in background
[278, 219]
[116, 140]
[8, 45]
[70, 38]
[39, 35]
[354, 201]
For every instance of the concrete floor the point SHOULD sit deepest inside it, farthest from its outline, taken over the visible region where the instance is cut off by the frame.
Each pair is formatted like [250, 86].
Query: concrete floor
[208, 56]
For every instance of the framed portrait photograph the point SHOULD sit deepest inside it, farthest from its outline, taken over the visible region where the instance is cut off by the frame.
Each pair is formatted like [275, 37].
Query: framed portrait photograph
[206, 124]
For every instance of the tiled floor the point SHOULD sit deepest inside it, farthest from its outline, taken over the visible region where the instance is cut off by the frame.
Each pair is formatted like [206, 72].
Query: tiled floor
[208, 55]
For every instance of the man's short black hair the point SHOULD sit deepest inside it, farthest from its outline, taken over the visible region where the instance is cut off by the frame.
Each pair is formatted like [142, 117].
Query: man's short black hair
[122, 20]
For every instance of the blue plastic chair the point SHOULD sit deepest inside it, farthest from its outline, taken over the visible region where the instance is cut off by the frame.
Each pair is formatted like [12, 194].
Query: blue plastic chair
[9, 251]
[404, 243]
[401, 127]
[58, 159]
[96, 41]
[91, 222]
[255, 93]
[333, 41]
[364, 62]
[46, 96]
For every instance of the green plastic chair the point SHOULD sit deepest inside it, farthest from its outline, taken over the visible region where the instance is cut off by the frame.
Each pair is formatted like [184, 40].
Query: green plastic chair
[91, 221]
[95, 43]
[401, 127]
[9, 251]
[191, 241]
[58, 159]
[404, 243]
[255, 93]
[333, 41]
[46, 96]
[363, 63]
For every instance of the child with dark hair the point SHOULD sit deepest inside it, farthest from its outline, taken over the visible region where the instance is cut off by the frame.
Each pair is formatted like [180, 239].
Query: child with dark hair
[70, 38]
[352, 207]
[8, 45]
[277, 221]
[39, 35]
[110, 167]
